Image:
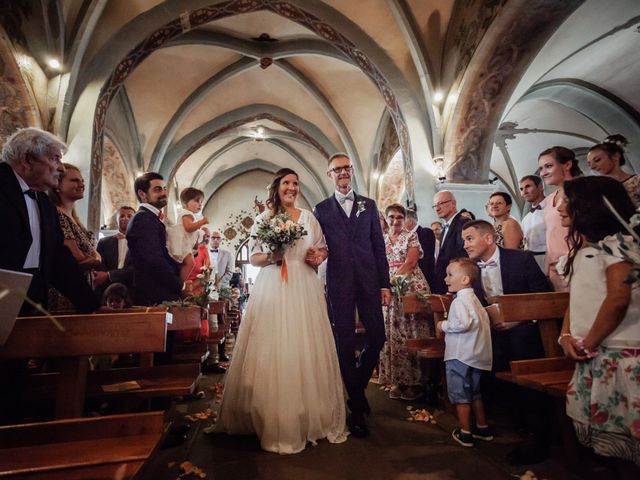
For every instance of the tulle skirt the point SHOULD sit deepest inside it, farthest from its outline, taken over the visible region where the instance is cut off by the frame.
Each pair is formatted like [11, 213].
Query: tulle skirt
[284, 381]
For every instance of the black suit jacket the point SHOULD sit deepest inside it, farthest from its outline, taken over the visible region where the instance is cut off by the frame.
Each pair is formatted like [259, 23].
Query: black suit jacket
[452, 247]
[427, 263]
[156, 276]
[58, 268]
[108, 250]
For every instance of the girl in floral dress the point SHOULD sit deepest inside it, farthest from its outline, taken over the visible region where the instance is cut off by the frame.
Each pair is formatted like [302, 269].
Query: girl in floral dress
[398, 367]
[601, 330]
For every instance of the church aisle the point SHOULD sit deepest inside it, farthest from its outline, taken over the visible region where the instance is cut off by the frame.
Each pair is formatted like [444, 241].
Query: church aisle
[397, 449]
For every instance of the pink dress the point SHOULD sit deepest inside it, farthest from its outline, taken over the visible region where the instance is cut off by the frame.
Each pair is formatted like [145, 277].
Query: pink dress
[557, 245]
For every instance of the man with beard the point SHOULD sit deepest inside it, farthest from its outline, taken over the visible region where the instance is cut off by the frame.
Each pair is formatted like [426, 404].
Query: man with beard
[156, 276]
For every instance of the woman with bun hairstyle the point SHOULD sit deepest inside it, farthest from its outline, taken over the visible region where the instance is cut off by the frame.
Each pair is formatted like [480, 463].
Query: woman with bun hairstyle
[607, 158]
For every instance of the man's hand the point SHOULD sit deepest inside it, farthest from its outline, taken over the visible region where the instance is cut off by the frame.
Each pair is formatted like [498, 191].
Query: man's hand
[503, 326]
[386, 296]
[313, 257]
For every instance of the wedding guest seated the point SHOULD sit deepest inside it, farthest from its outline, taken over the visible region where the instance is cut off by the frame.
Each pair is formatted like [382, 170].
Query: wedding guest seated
[467, 351]
[116, 297]
[508, 230]
[502, 272]
[601, 331]
[427, 241]
[80, 241]
[398, 367]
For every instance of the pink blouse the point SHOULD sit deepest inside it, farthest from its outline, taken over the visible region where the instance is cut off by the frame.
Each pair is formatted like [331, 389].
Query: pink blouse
[556, 233]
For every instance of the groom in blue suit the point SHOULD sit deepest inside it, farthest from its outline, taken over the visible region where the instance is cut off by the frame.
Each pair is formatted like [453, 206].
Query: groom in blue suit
[357, 278]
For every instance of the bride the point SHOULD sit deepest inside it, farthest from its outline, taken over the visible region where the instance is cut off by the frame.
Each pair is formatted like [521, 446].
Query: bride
[284, 380]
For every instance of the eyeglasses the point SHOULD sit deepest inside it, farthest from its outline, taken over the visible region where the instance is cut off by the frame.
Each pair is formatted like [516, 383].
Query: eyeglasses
[339, 170]
[440, 204]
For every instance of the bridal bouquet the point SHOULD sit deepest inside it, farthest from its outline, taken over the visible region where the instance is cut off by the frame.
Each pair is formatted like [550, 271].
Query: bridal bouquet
[277, 233]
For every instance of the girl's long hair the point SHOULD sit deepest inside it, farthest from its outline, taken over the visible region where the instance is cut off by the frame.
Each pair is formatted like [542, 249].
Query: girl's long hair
[590, 216]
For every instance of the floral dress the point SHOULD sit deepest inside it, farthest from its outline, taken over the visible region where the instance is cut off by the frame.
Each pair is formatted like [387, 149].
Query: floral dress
[603, 396]
[397, 365]
[500, 237]
[87, 243]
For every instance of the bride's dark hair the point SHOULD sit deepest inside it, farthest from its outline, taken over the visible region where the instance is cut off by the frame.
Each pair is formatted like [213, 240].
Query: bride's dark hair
[273, 199]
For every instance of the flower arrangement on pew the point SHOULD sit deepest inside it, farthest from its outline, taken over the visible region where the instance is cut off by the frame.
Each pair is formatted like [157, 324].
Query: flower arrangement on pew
[277, 234]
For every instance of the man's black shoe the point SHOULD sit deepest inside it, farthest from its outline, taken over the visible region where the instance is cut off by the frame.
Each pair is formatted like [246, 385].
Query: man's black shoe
[223, 358]
[212, 368]
[179, 429]
[357, 425]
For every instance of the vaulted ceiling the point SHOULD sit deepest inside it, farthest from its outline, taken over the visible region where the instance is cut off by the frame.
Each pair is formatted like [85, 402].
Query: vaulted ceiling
[215, 94]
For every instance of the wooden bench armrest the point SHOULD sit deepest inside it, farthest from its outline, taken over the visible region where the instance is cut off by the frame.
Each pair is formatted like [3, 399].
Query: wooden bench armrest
[541, 365]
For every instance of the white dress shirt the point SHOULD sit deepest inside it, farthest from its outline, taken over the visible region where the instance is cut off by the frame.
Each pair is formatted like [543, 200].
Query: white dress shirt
[32, 259]
[468, 332]
[123, 248]
[491, 276]
[151, 208]
[348, 203]
[535, 231]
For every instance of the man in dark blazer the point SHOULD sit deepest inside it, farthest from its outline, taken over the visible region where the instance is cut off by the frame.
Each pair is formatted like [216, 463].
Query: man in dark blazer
[115, 254]
[31, 165]
[156, 275]
[451, 244]
[357, 278]
[33, 243]
[506, 271]
[427, 240]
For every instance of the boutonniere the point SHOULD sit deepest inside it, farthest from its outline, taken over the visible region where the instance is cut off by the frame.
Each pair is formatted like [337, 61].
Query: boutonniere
[361, 207]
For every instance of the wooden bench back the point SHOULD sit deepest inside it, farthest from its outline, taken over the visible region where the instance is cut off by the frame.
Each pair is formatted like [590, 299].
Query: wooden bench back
[94, 334]
[547, 308]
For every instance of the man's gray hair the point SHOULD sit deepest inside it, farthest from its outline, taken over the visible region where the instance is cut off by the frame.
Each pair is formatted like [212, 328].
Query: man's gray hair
[411, 214]
[336, 155]
[29, 141]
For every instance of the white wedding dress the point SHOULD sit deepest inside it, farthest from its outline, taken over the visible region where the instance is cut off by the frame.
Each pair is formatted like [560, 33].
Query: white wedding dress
[284, 380]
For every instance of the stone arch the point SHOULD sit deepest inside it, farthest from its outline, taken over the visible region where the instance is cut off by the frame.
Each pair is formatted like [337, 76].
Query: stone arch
[369, 57]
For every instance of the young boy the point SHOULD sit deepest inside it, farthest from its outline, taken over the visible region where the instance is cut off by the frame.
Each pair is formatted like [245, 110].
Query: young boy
[467, 351]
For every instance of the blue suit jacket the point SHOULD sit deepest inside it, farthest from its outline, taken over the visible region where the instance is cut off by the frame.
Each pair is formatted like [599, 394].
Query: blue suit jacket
[521, 273]
[156, 276]
[356, 246]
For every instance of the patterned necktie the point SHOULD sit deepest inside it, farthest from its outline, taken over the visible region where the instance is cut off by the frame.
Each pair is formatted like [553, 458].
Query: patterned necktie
[344, 198]
[161, 216]
[30, 193]
[489, 264]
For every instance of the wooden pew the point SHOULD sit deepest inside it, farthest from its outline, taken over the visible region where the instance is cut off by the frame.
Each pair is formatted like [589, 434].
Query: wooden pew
[84, 335]
[98, 448]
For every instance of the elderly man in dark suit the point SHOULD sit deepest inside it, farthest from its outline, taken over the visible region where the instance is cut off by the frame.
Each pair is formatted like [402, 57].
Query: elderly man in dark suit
[114, 252]
[33, 243]
[31, 165]
[156, 276]
[357, 278]
[451, 245]
[506, 271]
[427, 240]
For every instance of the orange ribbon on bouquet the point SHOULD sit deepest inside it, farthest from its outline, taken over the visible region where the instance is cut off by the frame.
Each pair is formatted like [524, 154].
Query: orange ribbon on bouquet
[284, 272]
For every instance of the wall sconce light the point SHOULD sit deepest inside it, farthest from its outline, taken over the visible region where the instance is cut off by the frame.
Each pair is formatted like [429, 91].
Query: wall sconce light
[440, 173]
